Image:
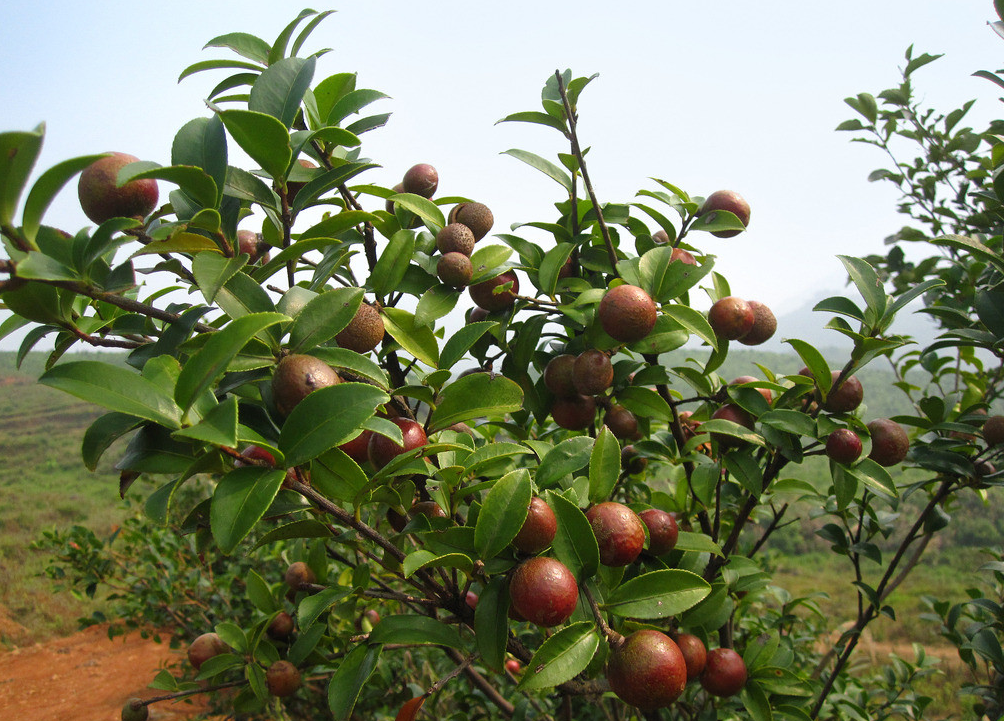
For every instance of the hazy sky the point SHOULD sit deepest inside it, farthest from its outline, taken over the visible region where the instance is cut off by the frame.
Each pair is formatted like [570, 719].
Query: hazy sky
[708, 95]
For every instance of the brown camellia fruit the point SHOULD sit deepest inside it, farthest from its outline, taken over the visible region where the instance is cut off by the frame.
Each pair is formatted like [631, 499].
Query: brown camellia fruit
[575, 413]
[364, 332]
[764, 324]
[684, 256]
[843, 446]
[421, 179]
[993, 430]
[389, 205]
[627, 313]
[593, 372]
[847, 397]
[484, 296]
[724, 672]
[660, 237]
[251, 243]
[296, 377]
[619, 533]
[513, 666]
[135, 710]
[281, 627]
[695, 654]
[383, 450]
[204, 648]
[632, 461]
[662, 530]
[543, 591]
[731, 318]
[731, 201]
[476, 216]
[358, 449]
[429, 509]
[455, 238]
[100, 197]
[647, 670]
[455, 270]
[299, 574]
[889, 442]
[559, 374]
[736, 414]
[621, 422]
[539, 528]
[282, 679]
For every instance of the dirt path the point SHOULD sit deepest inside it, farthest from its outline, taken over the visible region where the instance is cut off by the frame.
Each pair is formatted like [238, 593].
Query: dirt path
[83, 677]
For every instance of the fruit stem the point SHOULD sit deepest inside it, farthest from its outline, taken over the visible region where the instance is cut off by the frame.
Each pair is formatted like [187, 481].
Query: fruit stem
[612, 637]
[577, 152]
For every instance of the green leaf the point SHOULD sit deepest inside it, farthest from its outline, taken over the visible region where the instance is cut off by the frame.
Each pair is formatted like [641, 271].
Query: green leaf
[574, 544]
[554, 260]
[567, 457]
[658, 594]
[248, 46]
[537, 118]
[875, 477]
[417, 340]
[417, 560]
[218, 426]
[210, 362]
[327, 417]
[212, 271]
[868, 284]
[604, 465]
[491, 622]
[393, 263]
[348, 680]
[304, 528]
[100, 435]
[116, 389]
[182, 242]
[697, 542]
[436, 302]
[337, 476]
[502, 513]
[422, 207]
[45, 189]
[460, 342]
[487, 262]
[240, 500]
[279, 90]
[545, 166]
[717, 221]
[18, 153]
[360, 364]
[814, 361]
[645, 403]
[692, 320]
[216, 65]
[411, 629]
[37, 266]
[324, 317]
[262, 137]
[756, 702]
[194, 181]
[312, 607]
[491, 452]
[561, 657]
[474, 396]
[259, 593]
[245, 186]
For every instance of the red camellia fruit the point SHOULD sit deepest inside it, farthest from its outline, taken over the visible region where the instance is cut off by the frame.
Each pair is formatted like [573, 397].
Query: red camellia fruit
[282, 679]
[358, 449]
[731, 318]
[575, 413]
[845, 398]
[543, 591]
[889, 442]
[513, 666]
[204, 648]
[298, 575]
[484, 296]
[382, 450]
[731, 201]
[101, 198]
[647, 670]
[662, 530]
[724, 673]
[255, 453]
[684, 256]
[843, 446]
[593, 372]
[619, 533]
[694, 653]
[627, 313]
[421, 179]
[539, 528]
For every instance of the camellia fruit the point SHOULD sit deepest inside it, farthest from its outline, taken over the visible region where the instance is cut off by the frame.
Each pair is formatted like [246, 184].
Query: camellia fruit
[724, 673]
[889, 442]
[619, 532]
[593, 372]
[101, 198]
[695, 654]
[538, 529]
[662, 530]
[731, 201]
[364, 332]
[764, 324]
[647, 670]
[543, 591]
[296, 377]
[845, 398]
[204, 648]
[282, 679]
[484, 296]
[421, 179]
[382, 450]
[843, 446]
[575, 413]
[627, 313]
[731, 318]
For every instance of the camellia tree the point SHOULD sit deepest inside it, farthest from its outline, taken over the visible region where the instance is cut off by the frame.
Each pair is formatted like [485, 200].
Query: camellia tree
[534, 499]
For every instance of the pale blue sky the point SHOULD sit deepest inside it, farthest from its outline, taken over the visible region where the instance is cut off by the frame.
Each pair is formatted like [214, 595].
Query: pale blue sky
[708, 95]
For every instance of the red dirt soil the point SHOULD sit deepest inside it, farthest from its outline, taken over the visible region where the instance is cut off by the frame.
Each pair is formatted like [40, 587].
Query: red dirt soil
[85, 677]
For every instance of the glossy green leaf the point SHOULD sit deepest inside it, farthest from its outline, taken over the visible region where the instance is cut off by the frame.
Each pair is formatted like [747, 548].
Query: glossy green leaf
[411, 629]
[218, 426]
[244, 44]
[337, 476]
[548, 168]
[240, 500]
[36, 266]
[323, 317]
[279, 89]
[325, 181]
[502, 513]
[352, 102]
[604, 465]
[259, 594]
[45, 189]
[417, 340]
[491, 452]
[18, 153]
[116, 389]
[262, 137]
[567, 457]
[435, 303]
[393, 263]
[304, 528]
[460, 342]
[868, 283]
[346, 683]
[190, 243]
[658, 594]
[698, 542]
[211, 361]
[358, 364]
[245, 186]
[417, 560]
[561, 657]
[212, 271]
[693, 321]
[194, 181]
[100, 435]
[327, 417]
[554, 260]
[313, 606]
[717, 221]
[216, 65]
[537, 118]
[474, 396]
[422, 207]
[574, 544]
[488, 261]
[645, 403]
